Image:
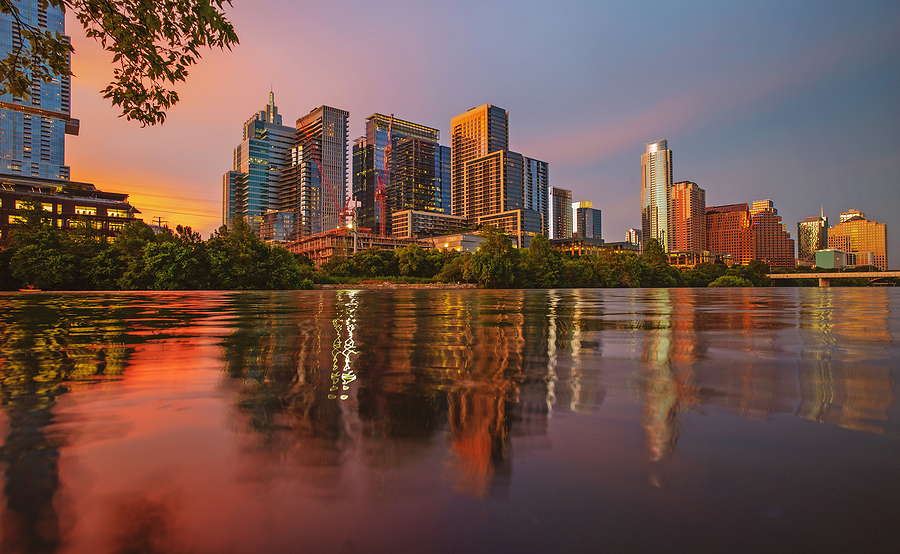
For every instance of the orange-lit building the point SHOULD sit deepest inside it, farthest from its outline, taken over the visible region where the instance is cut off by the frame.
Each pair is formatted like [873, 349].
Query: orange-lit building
[855, 233]
[772, 243]
[749, 234]
[687, 217]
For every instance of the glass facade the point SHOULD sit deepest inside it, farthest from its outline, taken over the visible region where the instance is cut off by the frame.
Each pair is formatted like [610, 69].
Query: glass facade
[33, 129]
[536, 189]
[588, 221]
[560, 226]
[656, 180]
[474, 134]
[812, 236]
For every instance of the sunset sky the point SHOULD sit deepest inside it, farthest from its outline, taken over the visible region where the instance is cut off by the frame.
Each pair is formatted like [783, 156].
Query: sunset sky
[794, 101]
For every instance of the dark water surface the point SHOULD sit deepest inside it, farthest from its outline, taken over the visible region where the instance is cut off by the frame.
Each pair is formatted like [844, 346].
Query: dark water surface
[463, 421]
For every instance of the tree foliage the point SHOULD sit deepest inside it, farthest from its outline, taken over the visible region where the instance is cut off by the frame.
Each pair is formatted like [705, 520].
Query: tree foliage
[152, 42]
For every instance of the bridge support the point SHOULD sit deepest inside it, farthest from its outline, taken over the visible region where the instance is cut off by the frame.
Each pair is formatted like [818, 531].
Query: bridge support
[824, 282]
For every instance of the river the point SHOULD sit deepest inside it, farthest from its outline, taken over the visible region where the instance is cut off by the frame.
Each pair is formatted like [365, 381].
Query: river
[610, 420]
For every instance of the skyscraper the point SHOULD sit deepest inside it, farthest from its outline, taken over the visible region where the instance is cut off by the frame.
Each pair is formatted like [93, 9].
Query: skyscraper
[772, 243]
[398, 165]
[33, 129]
[253, 186]
[314, 186]
[812, 235]
[560, 225]
[537, 189]
[587, 220]
[493, 183]
[476, 133]
[749, 234]
[656, 180]
[856, 234]
[687, 217]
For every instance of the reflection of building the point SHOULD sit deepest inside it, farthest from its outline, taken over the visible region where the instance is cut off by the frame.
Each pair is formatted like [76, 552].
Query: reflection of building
[656, 180]
[857, 234]
[812, 235]
[33, 129]
[66, 203]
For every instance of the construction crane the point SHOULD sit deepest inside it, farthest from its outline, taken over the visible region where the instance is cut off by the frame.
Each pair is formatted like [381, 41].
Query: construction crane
[383, 175]
[342, 212]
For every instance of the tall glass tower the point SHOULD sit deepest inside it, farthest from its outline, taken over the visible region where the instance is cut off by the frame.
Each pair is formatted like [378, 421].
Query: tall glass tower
[656, 180]
[33, 129]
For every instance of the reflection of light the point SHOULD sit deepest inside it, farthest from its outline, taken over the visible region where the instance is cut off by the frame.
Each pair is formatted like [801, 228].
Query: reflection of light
[342, 374]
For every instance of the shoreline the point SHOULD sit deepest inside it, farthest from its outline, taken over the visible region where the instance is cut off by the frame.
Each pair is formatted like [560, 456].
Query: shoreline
[389, 285]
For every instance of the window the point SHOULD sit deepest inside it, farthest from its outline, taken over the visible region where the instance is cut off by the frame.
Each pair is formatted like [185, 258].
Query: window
[116, 213]
[85, 210]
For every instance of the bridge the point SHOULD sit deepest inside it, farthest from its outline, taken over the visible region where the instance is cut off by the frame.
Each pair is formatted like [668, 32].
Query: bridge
[825, 278]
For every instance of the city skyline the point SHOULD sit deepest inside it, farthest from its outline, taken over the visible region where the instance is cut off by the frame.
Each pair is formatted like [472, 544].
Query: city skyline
[804, 117]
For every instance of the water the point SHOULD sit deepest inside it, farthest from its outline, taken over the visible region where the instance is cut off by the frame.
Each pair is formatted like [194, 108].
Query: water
[720, 420]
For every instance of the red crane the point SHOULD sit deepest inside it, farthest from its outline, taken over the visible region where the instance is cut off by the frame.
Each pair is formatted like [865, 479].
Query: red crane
[344, 212]
[383, 175]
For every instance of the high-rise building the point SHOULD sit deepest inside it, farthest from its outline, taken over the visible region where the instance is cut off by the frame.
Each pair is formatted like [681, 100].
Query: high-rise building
[33, 129]
[398, 165]
[560, 221]
[656, 180]
[494, 184]
[812, 235]
[772, 243]
[474, 134]
[314, 185]
[634, 236]
[749, 234]
[687, 217]
[586, 220]
[856, 234]
[537, 189]
[253, 186]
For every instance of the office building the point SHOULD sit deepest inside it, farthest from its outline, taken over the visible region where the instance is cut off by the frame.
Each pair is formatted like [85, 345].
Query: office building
[634, 236]
[521, 225]
[856, 234]
[812, 236]
[772, 243]
[314, 184]
[33, 129]
[656, 180]
[586, 220]
[253, 186]
[537, 189]
[474, 134]
[493, 183]
[560, 220]
[687, 217]
[411, 224]
[398, 165]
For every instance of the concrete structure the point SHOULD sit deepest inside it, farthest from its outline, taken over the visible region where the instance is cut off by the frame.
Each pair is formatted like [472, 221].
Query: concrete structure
[687, 217]
[411, 224]
[634, 236]
[521, 225]
[825, 278]
[578, 246]
[253, 186]
[276, 226]
[321, 247]
[855, 234]
[33, 129]
[67, 204]
[728, 231]
[772, 243]
[831, 258]
[656, 180]
[587, 221]
[461, 242]
[812, 235]
[474, 134]
[494, 184]
[560, 222]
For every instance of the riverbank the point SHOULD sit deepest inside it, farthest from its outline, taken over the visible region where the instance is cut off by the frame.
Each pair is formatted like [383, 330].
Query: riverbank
[389, 285]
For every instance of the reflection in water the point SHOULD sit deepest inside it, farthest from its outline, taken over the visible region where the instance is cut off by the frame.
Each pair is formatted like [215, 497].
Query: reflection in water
[362, 396]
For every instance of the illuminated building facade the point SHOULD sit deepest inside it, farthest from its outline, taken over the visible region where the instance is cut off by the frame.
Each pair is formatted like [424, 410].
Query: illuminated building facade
[856, 234]
[560, 221]
[399, 164]
[687, 217]
[587, 221]
[728, 232]
[493, 183]
[33, 129]
[474, 134]
[656, 180]
[772, 243]
[314, 184]
[252, 187]
[812, 236]
[416, 224]
[521, 225]
[634, 236]
[536, 188]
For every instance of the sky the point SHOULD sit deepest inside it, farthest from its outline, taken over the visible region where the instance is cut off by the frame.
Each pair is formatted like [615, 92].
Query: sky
[788, 100]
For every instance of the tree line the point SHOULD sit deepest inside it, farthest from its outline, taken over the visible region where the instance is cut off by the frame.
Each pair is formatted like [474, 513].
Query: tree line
[46, 257]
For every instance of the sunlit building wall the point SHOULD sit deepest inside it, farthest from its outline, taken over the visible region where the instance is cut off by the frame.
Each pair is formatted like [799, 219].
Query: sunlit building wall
[772, 243]
[494, 184]
[253, 186]
[656, 180]
[474, 134]
[687, 217]
[728, 231]
[855, 234]
[812, 235]
[560, 221]
[587, 220]
[634, 236]
[33, 129]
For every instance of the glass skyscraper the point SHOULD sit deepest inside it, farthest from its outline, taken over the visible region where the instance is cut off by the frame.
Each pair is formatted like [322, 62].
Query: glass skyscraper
[656, 180]
[33, 129]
